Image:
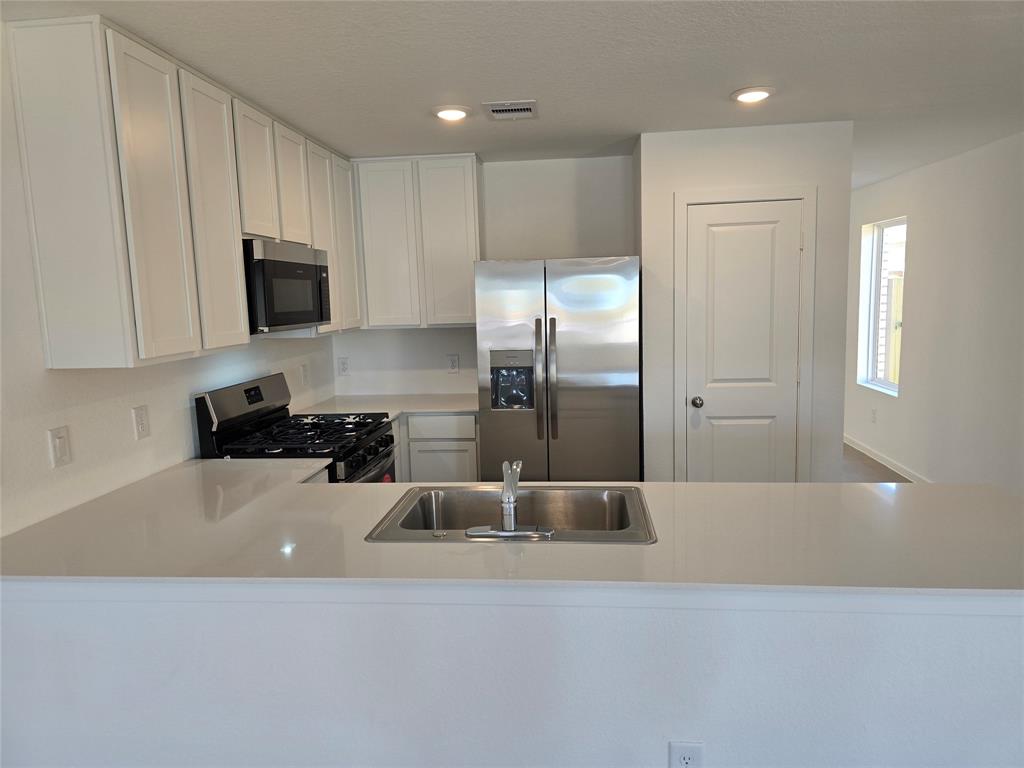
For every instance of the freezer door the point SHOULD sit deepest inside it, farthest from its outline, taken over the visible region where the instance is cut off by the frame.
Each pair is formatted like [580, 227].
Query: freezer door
[511, 367]
[593, 330]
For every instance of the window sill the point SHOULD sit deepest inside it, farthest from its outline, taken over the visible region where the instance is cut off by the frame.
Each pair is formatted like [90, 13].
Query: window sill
[879, 388]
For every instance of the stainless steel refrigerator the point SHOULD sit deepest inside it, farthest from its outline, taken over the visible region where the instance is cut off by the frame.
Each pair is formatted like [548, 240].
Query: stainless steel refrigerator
[558, 361]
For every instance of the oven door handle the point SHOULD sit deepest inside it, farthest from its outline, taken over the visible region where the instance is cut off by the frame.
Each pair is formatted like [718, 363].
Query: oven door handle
[375, 471]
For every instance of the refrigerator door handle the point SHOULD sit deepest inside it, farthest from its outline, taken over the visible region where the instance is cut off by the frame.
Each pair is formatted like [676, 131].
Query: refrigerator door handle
[538, 374]
[553, 377]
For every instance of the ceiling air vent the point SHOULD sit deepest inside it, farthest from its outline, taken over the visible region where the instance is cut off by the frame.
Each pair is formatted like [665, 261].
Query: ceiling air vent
[524, 109]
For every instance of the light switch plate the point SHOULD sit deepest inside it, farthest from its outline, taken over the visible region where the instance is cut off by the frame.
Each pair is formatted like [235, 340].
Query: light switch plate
[685, 754]
[453, 363]
[60, 446]
[343, 366]
[140, 421]
[304, 374]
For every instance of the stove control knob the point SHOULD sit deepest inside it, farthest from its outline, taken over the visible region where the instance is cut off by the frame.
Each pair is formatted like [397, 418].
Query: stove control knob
[372, 450]
[387, 440]
[355, 461]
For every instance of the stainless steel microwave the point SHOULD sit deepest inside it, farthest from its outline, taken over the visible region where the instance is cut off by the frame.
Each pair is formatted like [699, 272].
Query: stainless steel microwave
[288, 286]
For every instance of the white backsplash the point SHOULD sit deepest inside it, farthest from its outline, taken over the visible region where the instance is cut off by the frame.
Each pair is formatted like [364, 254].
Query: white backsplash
[405, 361]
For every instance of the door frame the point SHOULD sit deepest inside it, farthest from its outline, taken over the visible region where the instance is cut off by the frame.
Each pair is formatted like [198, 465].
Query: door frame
[807, 194]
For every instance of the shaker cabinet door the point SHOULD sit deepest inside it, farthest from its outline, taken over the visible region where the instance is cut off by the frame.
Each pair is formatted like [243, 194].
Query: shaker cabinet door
[257, 171]
[390, 254]
[321, 221]
[151, 155]
[350, 277]
[442, 461]
[448, 220]
[292, 184]
[216, 227]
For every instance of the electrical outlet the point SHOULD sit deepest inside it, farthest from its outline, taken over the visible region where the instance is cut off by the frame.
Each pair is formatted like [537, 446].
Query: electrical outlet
[60, 447]
[343, 366]
[304, 374]
[140, 420]
[685, 754]
[453, 363]
[874, 415]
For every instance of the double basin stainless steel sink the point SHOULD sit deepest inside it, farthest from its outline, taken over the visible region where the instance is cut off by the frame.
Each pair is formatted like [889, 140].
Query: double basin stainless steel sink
[614, 515]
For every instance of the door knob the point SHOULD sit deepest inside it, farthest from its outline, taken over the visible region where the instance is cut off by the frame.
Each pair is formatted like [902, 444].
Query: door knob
[697, 402]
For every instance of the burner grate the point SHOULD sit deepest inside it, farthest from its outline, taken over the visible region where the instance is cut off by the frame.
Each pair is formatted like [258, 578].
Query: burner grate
[317, 434]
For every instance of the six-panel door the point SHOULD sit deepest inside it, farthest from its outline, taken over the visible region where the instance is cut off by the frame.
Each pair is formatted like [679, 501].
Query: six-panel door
[213, 194]
[151, 154]
[743, 303]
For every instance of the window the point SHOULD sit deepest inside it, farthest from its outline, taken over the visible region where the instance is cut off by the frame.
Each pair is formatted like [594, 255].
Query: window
[883, 263]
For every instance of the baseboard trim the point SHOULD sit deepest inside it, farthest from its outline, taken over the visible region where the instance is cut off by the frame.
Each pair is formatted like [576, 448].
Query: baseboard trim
[881, 458]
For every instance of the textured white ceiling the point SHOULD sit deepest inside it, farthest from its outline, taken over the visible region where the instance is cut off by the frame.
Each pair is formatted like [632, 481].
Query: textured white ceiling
[921, 80]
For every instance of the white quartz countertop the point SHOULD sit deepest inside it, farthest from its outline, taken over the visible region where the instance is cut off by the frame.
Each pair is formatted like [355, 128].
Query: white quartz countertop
[395, 405]
[253, 519]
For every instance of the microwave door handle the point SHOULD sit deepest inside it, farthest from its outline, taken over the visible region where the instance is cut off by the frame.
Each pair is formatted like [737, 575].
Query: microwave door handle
[538, 375]
[553, 376]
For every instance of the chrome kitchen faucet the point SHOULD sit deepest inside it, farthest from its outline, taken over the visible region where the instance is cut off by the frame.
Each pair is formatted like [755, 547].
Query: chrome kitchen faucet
[510, 494]
[510, 527]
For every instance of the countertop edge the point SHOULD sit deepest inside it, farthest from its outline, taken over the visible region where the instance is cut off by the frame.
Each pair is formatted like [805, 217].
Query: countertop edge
[518, 592]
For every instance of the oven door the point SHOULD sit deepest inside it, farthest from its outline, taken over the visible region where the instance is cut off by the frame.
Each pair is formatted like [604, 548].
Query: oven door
[286, 293]
[380, 470]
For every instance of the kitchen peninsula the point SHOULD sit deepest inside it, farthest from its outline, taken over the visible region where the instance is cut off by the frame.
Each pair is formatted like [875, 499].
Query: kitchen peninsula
[760, 606]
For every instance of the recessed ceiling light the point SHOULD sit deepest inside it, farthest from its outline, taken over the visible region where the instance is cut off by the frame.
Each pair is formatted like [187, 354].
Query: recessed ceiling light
[451, 113]
[753, 94]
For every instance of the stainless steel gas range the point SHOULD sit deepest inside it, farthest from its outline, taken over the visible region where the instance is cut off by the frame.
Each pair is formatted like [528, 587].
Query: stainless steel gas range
[251, 421]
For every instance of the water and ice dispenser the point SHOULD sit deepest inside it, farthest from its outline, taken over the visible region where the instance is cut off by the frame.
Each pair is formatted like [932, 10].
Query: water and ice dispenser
[512, 384]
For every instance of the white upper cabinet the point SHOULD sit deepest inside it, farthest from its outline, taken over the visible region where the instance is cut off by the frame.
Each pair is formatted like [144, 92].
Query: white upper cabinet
[448, 222]
[147, 115]
[292, 184]
[349, 275]
[257, 171]
[321, 218]
[419, 238]
[390, 252]
[141, 178]
[216, 227]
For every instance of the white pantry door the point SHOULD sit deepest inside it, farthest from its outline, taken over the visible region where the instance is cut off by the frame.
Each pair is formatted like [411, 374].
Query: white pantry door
[742, 321]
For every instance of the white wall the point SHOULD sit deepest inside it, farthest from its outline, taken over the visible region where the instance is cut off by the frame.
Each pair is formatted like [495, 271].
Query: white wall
[406, 361]
[96, 404]
[359, 673]
[959, 416]
[807, 154]
[550, 209]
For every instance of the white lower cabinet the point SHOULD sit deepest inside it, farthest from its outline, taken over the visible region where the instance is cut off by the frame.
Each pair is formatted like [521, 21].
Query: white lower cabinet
[442, 461]
[442, 448]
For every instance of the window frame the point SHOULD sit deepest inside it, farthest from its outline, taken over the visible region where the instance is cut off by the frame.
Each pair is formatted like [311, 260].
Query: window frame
[872, 238]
